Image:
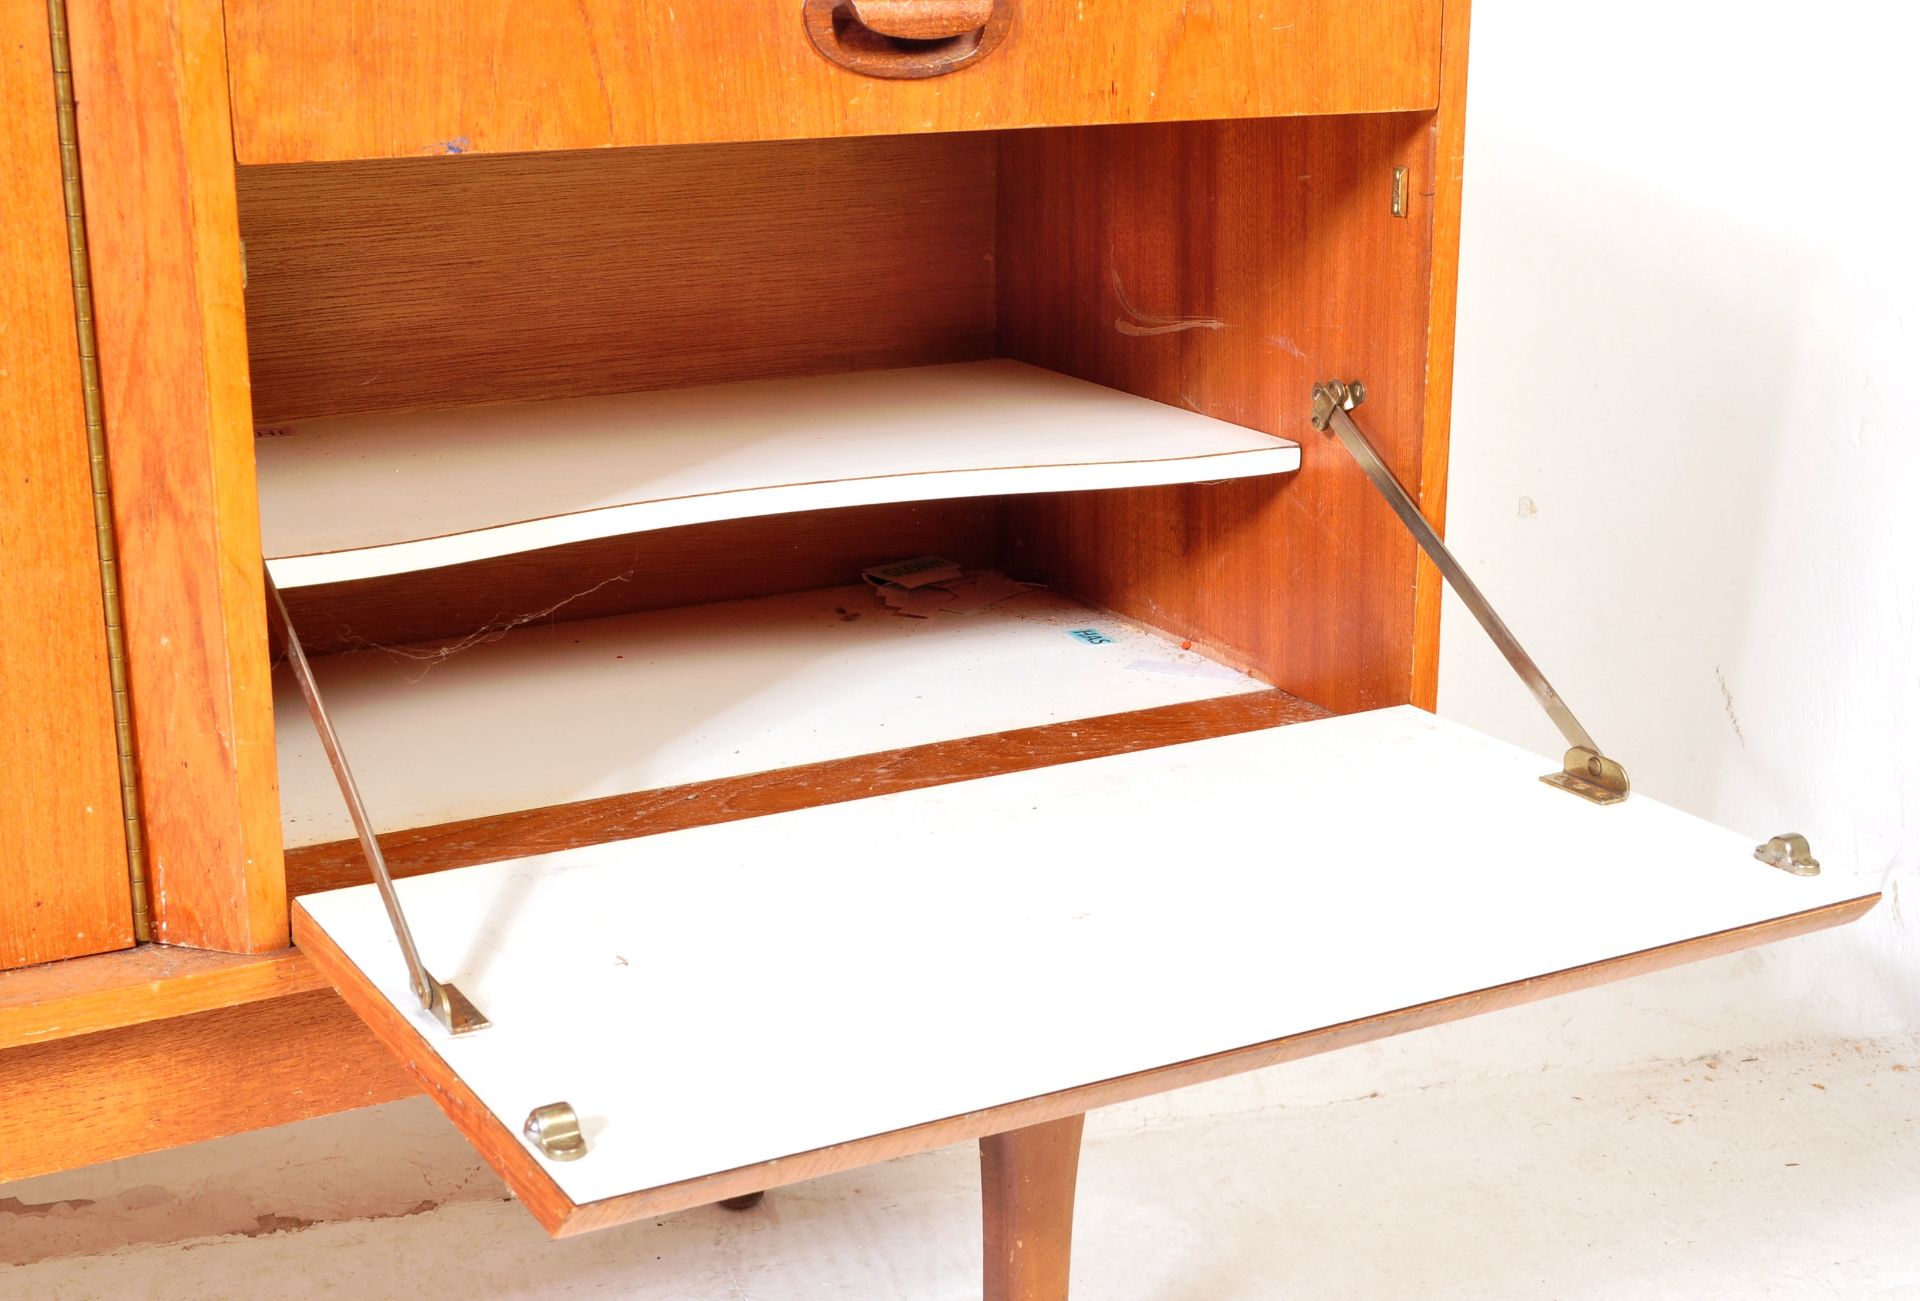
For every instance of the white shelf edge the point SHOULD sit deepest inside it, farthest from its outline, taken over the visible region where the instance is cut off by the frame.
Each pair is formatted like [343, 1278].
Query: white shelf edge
[390, 469]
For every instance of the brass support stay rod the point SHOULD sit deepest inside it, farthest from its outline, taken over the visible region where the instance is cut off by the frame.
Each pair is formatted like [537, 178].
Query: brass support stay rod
[1587, 772]
[448, 1005]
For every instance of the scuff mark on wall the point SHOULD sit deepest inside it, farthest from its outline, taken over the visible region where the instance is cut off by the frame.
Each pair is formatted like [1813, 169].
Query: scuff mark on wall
[15, 1206]
[1144, 324]
[1726, 696]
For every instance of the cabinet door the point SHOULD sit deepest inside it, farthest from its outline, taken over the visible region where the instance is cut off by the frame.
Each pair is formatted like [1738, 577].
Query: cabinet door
[735, 1006]
[63, 868]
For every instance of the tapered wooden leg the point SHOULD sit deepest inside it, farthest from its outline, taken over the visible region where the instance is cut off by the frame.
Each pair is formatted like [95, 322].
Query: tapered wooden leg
[1027, 1180]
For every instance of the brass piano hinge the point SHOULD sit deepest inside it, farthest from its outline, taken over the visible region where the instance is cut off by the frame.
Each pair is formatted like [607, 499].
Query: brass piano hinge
[97, 463]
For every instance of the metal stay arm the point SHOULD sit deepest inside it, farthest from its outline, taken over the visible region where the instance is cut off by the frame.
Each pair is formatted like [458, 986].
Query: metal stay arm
[1587, 773]
[448, 1005]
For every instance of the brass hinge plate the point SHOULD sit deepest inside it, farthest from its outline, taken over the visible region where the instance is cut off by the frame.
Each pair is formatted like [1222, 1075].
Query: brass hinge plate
[1591, 776]
[1789, 853]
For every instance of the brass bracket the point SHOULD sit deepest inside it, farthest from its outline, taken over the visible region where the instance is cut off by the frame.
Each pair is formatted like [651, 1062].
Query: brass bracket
[1591, 776]
[555, 1130]
[1789, 853]
[1333, 396]
[1586, 772]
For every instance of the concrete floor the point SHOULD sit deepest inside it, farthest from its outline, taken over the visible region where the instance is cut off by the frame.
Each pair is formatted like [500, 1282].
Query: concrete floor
[1789, 1173]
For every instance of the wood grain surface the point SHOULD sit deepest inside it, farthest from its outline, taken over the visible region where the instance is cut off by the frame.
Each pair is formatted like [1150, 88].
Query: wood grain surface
[103, 1096]
[1437, 204]
[505, 1151]
[664, 569]
[442, 281]
[1027, 1181]
[152, 982]
[63, 852]
[1227, 267]
[166, 262]
[402, 77]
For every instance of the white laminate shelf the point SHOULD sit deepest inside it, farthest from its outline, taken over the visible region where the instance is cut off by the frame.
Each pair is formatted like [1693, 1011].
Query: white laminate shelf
[360, 497]
[786, 983]
[559, 713]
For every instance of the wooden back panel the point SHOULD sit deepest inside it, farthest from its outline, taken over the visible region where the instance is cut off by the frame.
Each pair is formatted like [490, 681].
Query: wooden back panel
[646, 571]
[1226, 267]
[436, 282]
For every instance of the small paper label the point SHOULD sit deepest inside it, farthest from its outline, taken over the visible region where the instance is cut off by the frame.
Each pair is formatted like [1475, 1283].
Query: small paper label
[918, 572]
[1091, 636]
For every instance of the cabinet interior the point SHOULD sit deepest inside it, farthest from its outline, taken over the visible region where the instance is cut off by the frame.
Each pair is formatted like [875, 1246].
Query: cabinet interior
[1214, 267]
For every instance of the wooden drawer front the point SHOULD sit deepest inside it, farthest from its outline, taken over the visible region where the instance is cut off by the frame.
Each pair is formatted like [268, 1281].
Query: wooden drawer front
[335, 79]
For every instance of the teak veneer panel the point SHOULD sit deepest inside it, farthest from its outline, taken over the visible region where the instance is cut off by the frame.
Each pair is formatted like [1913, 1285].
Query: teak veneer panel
[63, 852]
[1441, 200]
[147, 1087]
[334, 79]
[660, 570]
[152, 982]
[445, 281]
[1227, 267]
[164, 246]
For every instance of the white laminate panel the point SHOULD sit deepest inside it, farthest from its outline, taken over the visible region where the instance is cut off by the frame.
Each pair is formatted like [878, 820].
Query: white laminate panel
[556, 713]
[362, 496]
[718, 997]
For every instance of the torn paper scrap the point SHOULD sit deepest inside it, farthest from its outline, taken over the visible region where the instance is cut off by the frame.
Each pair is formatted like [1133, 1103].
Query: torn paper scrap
[921, 571]
[918, 603]
[979, 589]
[928, 585]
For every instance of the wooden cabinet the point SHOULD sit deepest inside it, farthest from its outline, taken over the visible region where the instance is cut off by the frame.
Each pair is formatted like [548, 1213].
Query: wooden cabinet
[568, 463]
[64, 887]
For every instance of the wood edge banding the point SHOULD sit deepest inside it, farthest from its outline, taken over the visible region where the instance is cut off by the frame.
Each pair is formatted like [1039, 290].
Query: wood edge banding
[673, 808]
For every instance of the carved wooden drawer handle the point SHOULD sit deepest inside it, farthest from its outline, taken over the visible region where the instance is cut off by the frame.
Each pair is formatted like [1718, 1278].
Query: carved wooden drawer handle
[906, 38]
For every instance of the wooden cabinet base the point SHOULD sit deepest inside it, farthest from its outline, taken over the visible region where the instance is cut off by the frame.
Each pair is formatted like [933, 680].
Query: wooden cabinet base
[147, 1087]
[1027, 1180]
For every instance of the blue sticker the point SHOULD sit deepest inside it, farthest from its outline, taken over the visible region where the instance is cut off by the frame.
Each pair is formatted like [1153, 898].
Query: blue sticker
[1091, 636]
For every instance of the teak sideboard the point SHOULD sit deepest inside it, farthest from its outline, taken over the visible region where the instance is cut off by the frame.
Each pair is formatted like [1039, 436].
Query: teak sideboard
[502, 403]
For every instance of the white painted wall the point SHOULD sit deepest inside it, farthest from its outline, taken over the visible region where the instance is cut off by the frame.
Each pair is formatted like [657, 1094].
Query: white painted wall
[1690, 337]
